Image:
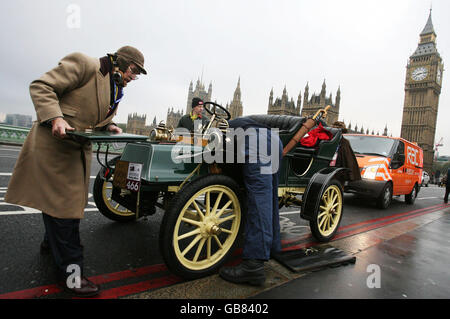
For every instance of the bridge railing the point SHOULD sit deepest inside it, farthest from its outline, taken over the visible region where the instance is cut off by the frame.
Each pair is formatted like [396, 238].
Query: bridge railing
[16, 135]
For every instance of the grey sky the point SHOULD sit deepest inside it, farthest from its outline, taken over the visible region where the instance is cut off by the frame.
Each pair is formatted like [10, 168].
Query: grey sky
[363, 46]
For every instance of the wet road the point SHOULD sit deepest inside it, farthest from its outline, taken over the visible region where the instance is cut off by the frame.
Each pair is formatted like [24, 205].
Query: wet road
[125, 258]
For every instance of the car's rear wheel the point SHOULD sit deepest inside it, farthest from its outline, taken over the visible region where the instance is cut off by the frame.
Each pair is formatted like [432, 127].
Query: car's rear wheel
[329, 214]
[102, 192]
[200, 228]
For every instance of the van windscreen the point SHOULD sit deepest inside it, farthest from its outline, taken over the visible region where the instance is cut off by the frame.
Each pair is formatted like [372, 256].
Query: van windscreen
[370, 145]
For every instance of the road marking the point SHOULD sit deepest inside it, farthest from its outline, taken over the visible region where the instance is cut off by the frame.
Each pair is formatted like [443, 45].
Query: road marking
[9, 149]
[9, 174]
[290, 212]
[28, 211]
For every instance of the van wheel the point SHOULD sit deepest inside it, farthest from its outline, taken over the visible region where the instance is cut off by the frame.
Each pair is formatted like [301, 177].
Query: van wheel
[411, 197]
[385, 198]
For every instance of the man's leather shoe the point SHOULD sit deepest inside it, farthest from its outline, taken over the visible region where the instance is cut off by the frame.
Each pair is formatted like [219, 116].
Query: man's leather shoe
[87, 288]
[250, 271]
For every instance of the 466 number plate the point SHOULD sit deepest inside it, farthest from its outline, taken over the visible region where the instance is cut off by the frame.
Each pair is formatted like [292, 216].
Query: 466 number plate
[128, 175]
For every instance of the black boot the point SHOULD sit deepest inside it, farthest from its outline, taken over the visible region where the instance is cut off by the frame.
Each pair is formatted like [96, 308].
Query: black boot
[250, 271]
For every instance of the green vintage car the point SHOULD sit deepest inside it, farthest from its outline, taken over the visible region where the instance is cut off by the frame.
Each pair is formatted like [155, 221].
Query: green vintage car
[204, 203]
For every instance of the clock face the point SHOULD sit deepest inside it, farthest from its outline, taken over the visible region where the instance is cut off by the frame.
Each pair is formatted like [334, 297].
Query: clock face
[439, 76]
[419, 73]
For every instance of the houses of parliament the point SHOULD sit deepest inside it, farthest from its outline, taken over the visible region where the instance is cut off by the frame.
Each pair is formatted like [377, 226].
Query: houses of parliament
[280, 105]
[422, 89]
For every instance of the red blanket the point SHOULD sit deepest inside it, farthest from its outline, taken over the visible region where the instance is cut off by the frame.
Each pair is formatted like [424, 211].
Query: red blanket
[315, 135]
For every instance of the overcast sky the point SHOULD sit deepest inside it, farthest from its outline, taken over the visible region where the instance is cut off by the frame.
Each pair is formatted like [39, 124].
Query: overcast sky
[361, 46]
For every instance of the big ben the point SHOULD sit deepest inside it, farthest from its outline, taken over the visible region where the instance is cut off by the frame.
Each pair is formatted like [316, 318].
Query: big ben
[422, 89]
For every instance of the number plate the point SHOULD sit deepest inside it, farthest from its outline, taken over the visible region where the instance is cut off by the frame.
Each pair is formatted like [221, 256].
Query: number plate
[128, 175]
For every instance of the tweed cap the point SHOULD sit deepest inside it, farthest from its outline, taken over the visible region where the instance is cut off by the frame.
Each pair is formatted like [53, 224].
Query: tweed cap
[132, 54]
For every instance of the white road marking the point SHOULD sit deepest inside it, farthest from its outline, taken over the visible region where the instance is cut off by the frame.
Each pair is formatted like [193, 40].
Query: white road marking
[29, 210]
[9, 174]
[290, 212]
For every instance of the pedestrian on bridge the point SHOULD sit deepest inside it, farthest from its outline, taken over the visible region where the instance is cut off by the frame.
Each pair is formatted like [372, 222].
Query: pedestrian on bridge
[447, 186]
[52, 172]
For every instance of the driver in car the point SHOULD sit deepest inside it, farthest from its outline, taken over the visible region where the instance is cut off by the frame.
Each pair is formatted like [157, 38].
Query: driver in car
[194, 121]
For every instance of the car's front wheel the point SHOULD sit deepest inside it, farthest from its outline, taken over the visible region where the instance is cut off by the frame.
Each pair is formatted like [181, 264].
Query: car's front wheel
[200, 228]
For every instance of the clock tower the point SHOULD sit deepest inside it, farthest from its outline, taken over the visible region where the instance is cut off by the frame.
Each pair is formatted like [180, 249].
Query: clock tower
[422, 89]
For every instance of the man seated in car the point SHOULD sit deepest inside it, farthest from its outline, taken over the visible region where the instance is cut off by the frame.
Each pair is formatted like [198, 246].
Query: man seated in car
[194, 121]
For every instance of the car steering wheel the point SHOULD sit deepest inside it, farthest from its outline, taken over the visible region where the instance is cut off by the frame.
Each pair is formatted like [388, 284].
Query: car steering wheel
[218, 110]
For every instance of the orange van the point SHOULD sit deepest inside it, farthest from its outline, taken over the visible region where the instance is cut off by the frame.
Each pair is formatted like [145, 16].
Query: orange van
[388, 165]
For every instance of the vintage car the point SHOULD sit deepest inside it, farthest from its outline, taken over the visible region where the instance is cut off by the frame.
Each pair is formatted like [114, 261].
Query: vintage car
[204, 203]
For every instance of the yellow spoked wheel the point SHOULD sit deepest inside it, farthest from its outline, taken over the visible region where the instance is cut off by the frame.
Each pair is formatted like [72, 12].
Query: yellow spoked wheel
[200, 228]
[113, 206]
[102, 192]
[329, 213]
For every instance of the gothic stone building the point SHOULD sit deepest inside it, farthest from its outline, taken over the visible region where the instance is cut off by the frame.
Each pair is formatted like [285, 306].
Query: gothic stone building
[282, 106]
[136, 124]
[310, 105]
[173, 118]
[422, 89]
[317, 102]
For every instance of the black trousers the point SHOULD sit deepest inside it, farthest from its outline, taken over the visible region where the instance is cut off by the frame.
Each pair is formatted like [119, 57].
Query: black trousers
[447, 190]
[63, 236]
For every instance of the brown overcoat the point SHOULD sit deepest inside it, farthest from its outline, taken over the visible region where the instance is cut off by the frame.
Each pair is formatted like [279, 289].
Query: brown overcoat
[52, 174]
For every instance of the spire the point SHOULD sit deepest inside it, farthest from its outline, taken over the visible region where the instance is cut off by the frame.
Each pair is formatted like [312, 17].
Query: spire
[427, 43]
[237, 92]
[338, 97]
[428, 27]
[324, 88]
[271, 98]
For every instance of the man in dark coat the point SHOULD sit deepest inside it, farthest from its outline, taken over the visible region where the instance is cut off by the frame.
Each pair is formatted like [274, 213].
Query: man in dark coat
[260, 175]
[194, 121]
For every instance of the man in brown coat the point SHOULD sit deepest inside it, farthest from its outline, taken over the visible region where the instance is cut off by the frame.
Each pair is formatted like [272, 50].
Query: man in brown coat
[52, 172]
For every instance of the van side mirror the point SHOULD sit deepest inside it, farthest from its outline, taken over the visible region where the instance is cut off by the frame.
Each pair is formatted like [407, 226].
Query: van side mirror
[398, 160]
